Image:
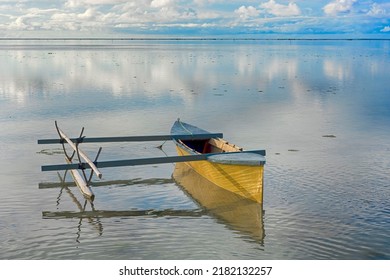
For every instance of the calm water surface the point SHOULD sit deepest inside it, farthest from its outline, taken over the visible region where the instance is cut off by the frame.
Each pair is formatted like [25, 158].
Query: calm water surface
[321, 109]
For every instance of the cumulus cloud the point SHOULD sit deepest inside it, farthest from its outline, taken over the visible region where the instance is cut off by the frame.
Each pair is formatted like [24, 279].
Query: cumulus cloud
[161, 3]
[338, 6]
[83, 3]
[246, 12]
[89, 14]
[379, 10]
[281, 10]
[19, 24]
[386, 29]
[113, 17]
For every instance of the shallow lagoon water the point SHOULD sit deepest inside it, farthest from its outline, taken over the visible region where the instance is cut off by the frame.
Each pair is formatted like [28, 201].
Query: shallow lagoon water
[321, 109]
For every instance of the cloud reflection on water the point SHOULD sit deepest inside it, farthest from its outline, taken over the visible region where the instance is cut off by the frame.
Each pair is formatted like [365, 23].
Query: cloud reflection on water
[153, 70]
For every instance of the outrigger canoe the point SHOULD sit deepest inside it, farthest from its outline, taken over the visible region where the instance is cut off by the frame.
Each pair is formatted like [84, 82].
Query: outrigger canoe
[228, 166]
[223, 164]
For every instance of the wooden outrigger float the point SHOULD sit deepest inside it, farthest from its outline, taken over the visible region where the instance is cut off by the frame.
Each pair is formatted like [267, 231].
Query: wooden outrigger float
[226, 165]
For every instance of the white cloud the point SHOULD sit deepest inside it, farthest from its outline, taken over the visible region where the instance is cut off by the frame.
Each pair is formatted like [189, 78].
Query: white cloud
[88, 20]
[152, 14]
[83, 3]
[338, 6]
[209, 16]
[29, 19]
[281, 10]
[89, 14]
[246, 12]
[379, 10]
[161, 3]
[386, 29]
[18, 24]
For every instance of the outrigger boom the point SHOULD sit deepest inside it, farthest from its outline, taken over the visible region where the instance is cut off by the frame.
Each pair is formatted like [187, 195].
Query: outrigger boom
[140, 161]
[134, 138]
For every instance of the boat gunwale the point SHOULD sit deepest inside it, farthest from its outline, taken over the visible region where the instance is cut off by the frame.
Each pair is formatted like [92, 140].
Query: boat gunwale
[248, 158]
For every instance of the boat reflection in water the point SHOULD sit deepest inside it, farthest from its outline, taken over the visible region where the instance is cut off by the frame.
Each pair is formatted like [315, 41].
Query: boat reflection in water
[242, 215]
[237, 213]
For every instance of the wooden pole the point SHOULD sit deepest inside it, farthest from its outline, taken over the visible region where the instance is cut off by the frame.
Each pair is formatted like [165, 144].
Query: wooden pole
[141, 161]
[126, 162]
[144, 138]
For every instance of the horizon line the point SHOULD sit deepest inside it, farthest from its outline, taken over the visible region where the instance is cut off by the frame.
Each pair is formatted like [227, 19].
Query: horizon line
[187, 39]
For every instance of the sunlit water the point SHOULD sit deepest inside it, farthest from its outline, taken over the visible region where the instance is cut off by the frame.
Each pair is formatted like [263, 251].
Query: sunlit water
[321, 109]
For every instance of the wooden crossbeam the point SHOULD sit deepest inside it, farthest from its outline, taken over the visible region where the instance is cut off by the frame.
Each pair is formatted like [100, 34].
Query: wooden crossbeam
[141, 161]
[127, 162]
[135, 138]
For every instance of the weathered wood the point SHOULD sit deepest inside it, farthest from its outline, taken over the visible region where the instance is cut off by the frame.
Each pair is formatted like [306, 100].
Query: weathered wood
[134, 138]
[81, 153]
[142, 161]
[127, 162]
[80, 182]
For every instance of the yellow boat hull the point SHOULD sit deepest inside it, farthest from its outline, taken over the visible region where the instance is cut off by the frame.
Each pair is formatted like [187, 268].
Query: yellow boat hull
[246, 181]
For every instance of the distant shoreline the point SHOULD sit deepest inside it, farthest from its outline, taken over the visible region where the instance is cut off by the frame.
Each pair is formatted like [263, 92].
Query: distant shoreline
[192, 39]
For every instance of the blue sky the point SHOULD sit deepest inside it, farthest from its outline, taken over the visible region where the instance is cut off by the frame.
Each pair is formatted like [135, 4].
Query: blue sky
[122, 18]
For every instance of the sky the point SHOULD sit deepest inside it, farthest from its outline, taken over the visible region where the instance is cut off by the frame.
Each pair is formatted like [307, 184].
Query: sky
[194, 18]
